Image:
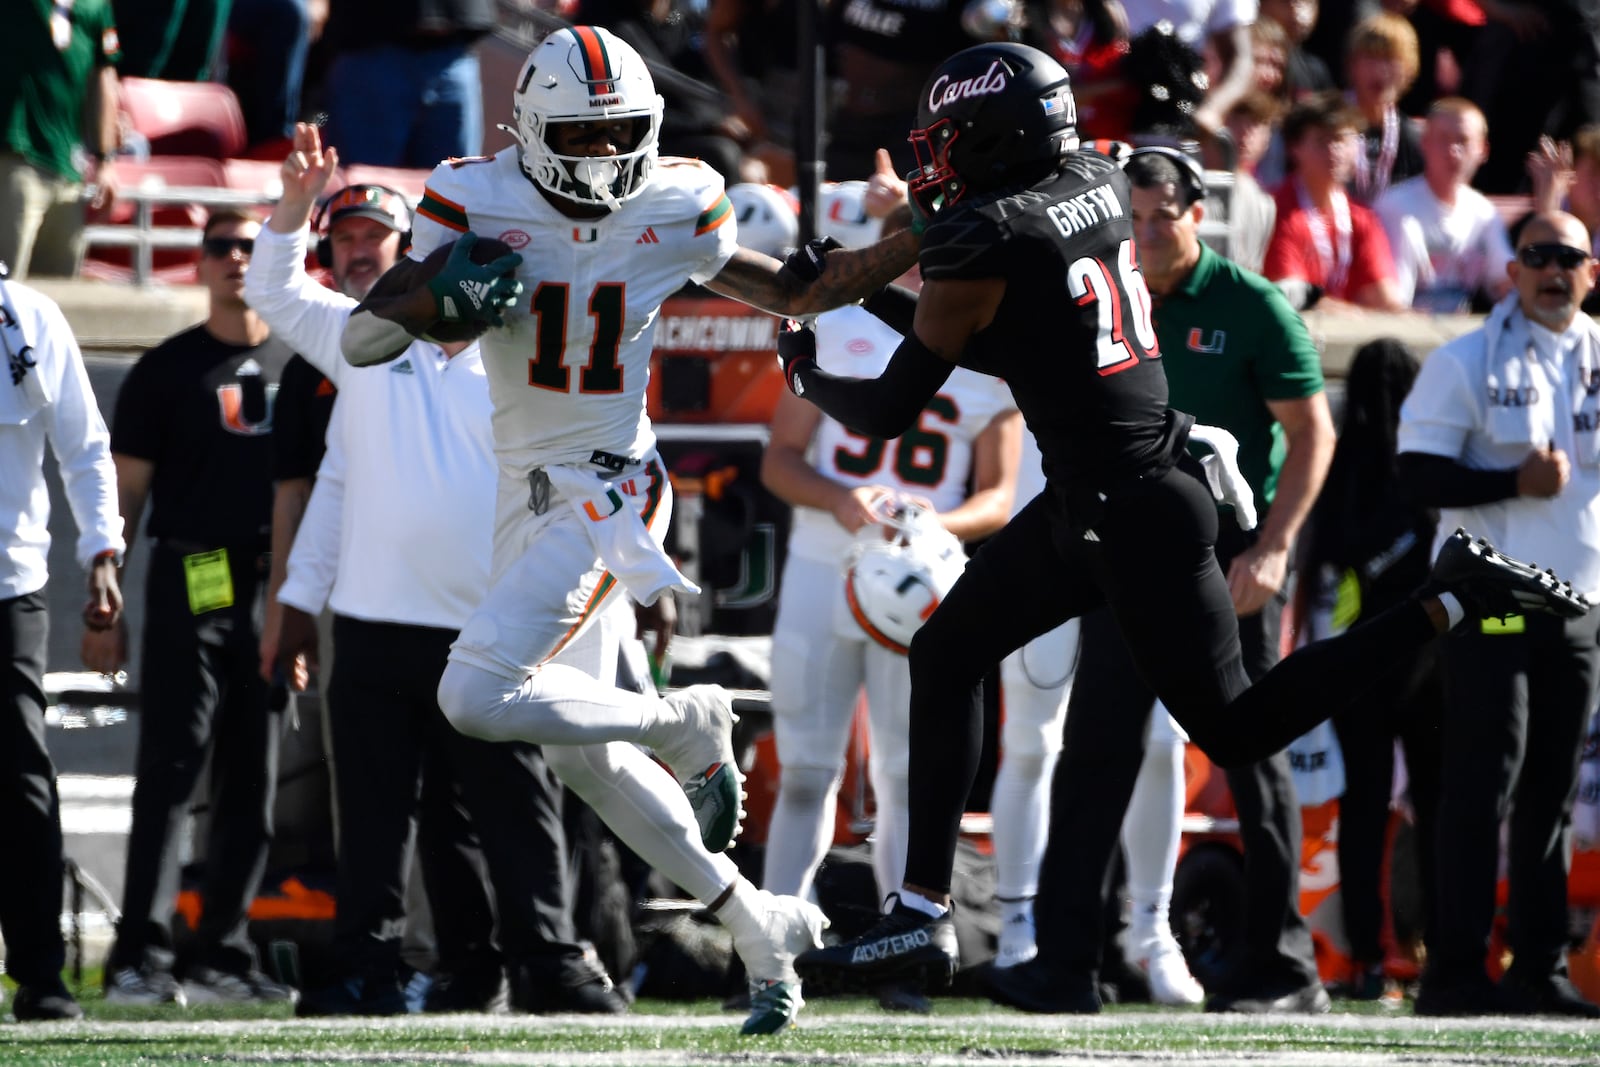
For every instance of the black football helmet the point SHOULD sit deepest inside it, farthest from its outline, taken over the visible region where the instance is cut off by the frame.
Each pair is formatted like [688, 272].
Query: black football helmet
[991, 116]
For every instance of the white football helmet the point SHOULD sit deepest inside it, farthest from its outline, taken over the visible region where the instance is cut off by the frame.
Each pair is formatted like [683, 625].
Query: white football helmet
[768, 217]
[586, 74]
[892, 585]
[842, 214]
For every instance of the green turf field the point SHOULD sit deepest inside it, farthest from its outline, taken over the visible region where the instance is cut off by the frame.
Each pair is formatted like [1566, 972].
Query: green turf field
[837, 1031]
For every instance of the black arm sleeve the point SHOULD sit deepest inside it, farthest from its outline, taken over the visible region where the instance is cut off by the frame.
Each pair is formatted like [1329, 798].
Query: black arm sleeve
[895, 306]
[886, 406]
[1441, 482]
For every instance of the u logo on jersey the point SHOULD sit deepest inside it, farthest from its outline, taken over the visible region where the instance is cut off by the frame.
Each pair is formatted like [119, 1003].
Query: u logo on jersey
[1199, 342]
[230, 401]
[612, 497]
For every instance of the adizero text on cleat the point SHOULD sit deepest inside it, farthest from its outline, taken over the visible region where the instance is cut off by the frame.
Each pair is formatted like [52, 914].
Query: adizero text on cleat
[1491, 584]
[905, 944]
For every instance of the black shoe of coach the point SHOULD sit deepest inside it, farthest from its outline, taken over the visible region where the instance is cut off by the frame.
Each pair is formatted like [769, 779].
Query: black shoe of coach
[1548, 995]
[1037, 988]
[1309, 999]
[1463, 996]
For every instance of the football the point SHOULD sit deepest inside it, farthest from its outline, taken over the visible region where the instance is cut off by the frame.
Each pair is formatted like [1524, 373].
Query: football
[484, 250]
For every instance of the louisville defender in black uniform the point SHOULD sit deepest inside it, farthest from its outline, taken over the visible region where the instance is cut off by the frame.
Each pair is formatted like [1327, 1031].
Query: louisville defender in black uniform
[1030, 275]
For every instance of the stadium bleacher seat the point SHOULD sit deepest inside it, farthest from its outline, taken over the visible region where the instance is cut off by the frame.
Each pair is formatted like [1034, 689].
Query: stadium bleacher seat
[185, 118]
[264, 176]
[115, 261]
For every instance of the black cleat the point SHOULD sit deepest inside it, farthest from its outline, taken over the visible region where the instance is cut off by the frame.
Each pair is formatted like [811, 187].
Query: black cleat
[1034, 987]
[904, 945]
[1490, 584]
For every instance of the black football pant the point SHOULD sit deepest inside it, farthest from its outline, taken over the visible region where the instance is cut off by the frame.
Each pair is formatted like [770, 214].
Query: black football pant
[1519, 704]
[390, 742]
[30, 811]
[1103, 748]
[1409, 705]
[201, 693]
[1151, 561]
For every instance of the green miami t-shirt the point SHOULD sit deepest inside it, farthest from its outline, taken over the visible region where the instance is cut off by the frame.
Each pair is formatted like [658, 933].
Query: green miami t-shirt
[1230, 342]
[50, 60]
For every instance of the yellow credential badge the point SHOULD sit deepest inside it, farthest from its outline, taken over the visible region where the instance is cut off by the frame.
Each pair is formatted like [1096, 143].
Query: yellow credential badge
[209, 580]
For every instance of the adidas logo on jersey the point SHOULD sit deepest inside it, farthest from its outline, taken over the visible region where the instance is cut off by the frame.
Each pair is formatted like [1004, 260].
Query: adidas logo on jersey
[648, 237]
[403, 367]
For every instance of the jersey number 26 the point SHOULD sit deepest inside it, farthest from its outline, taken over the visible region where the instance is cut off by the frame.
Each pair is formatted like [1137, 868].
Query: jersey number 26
[1089, 281]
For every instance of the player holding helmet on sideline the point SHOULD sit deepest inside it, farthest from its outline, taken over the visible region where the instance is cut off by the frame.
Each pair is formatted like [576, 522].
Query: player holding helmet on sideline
[827, 644]
[608, 231]
[1029, 274]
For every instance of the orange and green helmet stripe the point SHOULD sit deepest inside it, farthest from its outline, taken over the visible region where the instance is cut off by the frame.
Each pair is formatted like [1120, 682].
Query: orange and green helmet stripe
[598, 70]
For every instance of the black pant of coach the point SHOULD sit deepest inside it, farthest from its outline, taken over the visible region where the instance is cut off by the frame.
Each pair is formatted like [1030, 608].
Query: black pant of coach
[1104, 743]
[1517, 704]
[30, 811]
[389, 736]
[201, 691]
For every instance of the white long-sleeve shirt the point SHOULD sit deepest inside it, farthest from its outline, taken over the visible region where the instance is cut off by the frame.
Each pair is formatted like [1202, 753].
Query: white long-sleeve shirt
[400, 524]
[1489, 398]
[59, 405]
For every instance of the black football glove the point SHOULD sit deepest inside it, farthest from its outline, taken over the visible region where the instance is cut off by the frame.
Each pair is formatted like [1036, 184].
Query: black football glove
[797, 345]
[805, 262]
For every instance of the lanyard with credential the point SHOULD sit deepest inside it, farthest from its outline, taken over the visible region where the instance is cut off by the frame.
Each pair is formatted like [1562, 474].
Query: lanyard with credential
[19, 353]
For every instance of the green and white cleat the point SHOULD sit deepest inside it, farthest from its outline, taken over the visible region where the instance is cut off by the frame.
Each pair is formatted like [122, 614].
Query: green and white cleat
[701, 757]
[774, 1005]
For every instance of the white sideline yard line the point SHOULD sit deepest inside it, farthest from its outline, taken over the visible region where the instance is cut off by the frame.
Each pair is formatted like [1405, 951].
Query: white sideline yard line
[972, 1038]
[656, 1058]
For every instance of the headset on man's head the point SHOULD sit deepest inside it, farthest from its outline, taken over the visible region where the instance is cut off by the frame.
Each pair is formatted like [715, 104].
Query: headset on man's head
[363, 195]
[1194, 179]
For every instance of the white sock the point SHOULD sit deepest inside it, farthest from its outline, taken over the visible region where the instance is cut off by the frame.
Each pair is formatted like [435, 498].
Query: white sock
[889, 831]
[801, 828]
[1020, 805]
[918, 902]
[741, 913]
[1014, 910]
[1151, 832]
[1453, 608]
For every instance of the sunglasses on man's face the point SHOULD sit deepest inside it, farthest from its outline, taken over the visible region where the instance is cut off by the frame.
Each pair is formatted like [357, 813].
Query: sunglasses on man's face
[1539, 256]
[222, 247]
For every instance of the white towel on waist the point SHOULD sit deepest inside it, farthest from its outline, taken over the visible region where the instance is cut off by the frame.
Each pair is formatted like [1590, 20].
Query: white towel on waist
[1222, 472]
[619, 534]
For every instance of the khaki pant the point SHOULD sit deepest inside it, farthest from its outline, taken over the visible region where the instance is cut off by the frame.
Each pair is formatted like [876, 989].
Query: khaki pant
[41, 220]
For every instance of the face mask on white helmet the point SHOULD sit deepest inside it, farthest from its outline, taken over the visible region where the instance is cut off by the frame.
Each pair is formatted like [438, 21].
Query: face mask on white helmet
[586, 74]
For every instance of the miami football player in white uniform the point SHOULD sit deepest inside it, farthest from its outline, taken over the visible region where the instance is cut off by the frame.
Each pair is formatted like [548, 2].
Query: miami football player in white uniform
[606, 230]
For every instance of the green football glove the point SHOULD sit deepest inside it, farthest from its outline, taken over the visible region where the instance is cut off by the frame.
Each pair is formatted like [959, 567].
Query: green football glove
[467, 291]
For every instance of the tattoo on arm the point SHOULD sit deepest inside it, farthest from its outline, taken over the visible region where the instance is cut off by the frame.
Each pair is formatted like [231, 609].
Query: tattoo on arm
[395, 298]
[847, 276]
